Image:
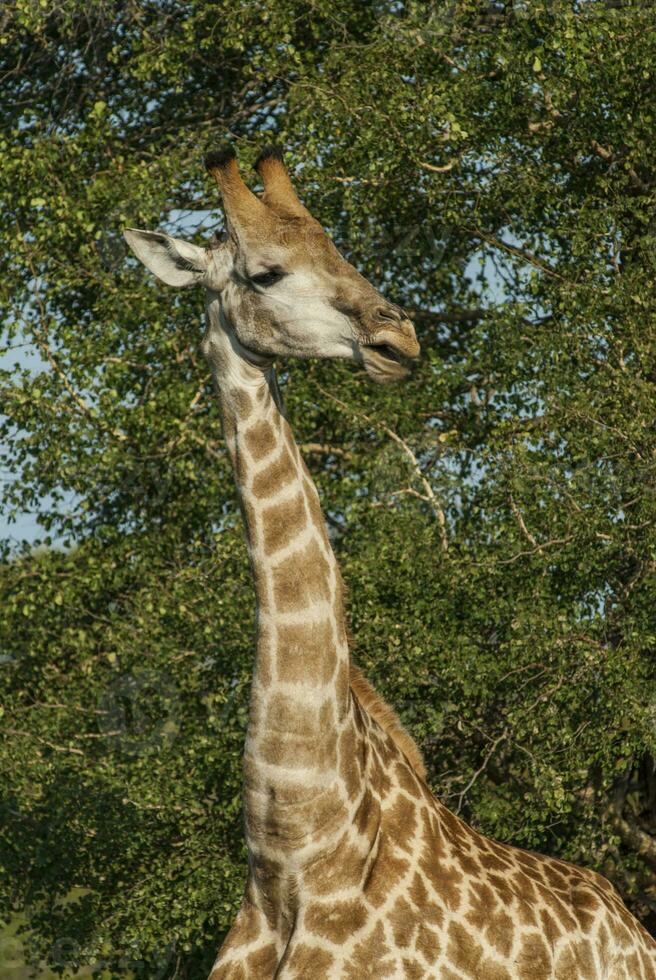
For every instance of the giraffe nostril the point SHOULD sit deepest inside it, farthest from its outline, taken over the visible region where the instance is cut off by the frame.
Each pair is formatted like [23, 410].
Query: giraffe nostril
[390, 314]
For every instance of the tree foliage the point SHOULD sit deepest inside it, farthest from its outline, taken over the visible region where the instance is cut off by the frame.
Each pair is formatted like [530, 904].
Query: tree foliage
[490, 167]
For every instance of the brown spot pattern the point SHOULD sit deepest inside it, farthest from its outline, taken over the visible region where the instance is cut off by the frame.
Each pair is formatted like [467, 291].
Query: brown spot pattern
[401, 823]
[413, 970]
[349, 767]
[403, 920]
[336, 921]
[263, 962]
[469, 956]
[241, 402]
[368, 816]
[278, 474]
[301, 579]
[304, 652]
[386, 873]
[337, 870]
[370, 960]
[427, 910]
[282, 523]
[534, 959]
[260, 439]
[308, 961]
[428, 943]
[286, 714]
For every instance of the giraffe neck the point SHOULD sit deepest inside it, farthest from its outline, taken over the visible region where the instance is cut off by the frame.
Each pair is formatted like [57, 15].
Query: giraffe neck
[300, 702]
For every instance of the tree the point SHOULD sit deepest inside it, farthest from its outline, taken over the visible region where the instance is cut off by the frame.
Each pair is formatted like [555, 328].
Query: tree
[490, 166]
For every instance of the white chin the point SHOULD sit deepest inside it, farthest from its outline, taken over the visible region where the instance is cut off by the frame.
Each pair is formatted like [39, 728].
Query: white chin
[383, 368]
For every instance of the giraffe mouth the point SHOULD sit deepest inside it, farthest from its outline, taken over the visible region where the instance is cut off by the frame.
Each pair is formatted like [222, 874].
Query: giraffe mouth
[385, 363]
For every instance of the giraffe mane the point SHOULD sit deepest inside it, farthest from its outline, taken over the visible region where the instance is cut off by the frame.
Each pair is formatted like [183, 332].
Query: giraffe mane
[371, 701]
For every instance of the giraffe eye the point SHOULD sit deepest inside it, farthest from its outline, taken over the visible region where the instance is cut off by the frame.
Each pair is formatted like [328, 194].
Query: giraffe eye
[268, 278]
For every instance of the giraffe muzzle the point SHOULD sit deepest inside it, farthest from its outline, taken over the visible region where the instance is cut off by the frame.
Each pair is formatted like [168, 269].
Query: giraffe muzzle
[391, 353]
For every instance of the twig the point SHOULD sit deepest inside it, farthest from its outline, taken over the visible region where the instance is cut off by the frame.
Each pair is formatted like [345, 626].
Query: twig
[60, 707]
[356, 180]
[43, 741]
[537, 549]
[520, 520]
[481, 769]
[437, 170]
[518, 252]
[324, 449]
[411, 492]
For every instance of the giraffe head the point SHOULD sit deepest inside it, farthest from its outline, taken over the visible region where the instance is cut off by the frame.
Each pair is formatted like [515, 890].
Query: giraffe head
[277, 281]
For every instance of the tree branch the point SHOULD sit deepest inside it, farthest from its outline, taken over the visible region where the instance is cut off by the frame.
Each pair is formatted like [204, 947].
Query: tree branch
[405, 448]
[481, 769]
[437, 170]
[520, 521]
[455, 316]
[43, 741]
[518, 252]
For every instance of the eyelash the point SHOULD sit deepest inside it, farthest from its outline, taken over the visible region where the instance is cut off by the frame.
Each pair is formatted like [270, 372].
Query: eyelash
[267, 278]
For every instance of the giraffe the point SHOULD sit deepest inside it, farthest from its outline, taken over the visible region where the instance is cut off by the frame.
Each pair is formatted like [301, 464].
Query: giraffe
[355, 869]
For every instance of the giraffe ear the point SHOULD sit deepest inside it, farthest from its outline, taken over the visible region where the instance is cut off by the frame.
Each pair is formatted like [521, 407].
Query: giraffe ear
[174, 261]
